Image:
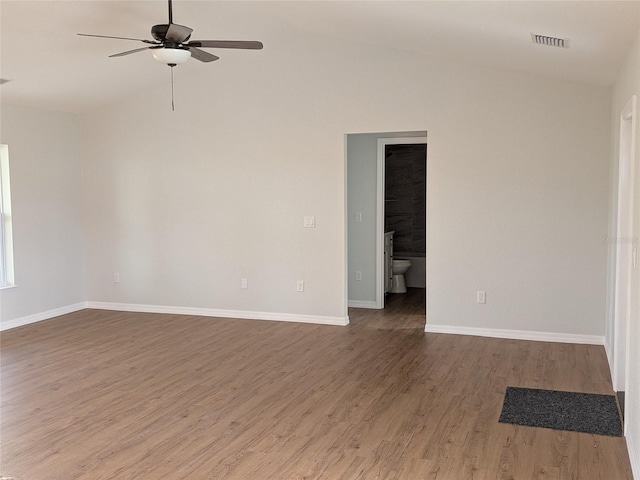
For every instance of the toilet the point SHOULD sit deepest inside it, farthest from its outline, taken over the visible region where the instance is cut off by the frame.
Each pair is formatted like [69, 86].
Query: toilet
[398, 269]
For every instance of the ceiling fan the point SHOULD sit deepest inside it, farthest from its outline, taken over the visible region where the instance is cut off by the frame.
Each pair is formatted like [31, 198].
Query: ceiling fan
[171, 44]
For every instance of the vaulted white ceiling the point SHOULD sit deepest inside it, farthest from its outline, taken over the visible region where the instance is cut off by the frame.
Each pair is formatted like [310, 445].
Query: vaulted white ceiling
[49, 66]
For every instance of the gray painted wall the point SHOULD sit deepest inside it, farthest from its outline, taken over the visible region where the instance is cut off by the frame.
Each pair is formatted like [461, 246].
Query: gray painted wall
[46, 179]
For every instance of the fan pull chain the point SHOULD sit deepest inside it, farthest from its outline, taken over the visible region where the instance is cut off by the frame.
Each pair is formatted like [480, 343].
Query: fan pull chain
[173, 108]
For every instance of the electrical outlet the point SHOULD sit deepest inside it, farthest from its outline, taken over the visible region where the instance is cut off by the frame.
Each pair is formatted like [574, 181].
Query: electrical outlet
[116, 278]
[481, 296]
[244, 283]
[358, 275]
[300, 286]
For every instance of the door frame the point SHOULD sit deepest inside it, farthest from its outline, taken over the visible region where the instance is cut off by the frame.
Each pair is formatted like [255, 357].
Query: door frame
[380, 208]
[623, 247]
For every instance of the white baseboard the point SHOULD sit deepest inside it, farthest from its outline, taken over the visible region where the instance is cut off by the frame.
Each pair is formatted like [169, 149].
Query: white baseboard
[609, 354]
[362, 304]
[517, 334]
[38, 317]
[212, 312]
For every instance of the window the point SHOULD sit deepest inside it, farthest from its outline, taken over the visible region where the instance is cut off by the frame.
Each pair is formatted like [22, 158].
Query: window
[6, 238]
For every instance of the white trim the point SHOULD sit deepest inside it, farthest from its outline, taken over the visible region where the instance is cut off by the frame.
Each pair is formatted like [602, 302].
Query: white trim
[517, 334]
[609, 353]
[633, 457]
[214, 312]
[204, 312]
[382, 143]
[7, 278]
[380, 179]
[623, 247]
[363, 304]
[345, 142]
[38, 317]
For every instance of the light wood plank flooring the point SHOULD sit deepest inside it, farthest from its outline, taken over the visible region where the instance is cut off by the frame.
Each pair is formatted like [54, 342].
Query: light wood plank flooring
[113, 395]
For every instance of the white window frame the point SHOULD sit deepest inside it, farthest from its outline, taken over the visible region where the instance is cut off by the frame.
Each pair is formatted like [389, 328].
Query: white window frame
[6, 232]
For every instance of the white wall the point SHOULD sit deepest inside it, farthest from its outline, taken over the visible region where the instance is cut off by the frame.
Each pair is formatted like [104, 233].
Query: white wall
[185, 204]
[628, 84]
[44, 158]
[517, 207]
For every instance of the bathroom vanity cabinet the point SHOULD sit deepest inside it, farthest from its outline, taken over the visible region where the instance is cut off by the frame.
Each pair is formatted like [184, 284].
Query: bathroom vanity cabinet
[388, 260]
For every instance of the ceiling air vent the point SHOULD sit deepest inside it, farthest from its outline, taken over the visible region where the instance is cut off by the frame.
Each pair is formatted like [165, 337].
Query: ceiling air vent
[550, 41]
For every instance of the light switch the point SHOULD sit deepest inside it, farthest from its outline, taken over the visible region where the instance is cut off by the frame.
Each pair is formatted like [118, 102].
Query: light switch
[358, 216]
[309, 222]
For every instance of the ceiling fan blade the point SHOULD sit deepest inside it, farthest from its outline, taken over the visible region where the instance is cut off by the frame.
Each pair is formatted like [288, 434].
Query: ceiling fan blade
[129, 52]
[243, 44]
[178, 33]
[202, 55]
[119, 38]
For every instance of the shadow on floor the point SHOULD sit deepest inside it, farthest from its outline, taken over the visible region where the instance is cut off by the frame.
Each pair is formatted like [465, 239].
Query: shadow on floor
[403, 311]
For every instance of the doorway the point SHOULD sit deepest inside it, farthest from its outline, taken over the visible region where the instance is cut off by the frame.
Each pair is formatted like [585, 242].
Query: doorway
[397, 196]
[364, 217]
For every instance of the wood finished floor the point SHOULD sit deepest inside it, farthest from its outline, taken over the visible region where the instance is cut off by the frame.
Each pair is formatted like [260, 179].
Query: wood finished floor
[113, 395]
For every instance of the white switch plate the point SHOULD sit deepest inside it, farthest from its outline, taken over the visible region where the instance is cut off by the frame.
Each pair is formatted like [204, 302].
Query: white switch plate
[244, 283]
[116, 278]
[358, 275]
[481, 296]
[358, 216]
[309, 222]
[300, 286]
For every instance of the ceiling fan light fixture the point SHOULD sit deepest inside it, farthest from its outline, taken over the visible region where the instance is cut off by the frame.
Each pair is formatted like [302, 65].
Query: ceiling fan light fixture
[171, 56]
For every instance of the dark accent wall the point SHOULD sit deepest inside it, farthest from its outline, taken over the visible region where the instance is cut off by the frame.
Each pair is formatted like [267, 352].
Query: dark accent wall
[405, 196]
